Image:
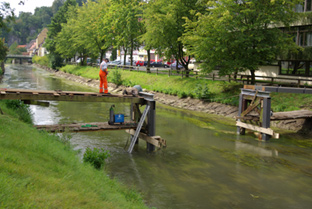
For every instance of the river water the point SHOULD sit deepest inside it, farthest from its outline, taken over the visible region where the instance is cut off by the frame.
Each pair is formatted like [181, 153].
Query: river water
[205, 165]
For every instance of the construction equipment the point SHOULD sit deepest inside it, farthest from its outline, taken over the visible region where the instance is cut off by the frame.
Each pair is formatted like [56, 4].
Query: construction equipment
[115, 118]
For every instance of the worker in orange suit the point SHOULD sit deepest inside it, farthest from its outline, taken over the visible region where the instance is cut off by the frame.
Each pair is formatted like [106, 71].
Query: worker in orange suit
[103, 77]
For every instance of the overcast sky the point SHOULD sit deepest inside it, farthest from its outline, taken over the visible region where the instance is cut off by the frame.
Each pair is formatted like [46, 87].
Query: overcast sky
[29, 6]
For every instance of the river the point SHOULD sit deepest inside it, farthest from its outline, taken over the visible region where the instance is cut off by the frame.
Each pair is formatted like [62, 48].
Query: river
[205, 164]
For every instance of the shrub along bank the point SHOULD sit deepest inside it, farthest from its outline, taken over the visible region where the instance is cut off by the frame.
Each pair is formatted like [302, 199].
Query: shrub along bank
[38, 170]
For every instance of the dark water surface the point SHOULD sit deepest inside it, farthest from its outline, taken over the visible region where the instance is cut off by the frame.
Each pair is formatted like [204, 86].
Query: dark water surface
[206, 165]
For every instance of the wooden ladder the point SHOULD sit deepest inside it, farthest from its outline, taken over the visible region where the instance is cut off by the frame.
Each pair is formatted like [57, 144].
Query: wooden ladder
[139, 127]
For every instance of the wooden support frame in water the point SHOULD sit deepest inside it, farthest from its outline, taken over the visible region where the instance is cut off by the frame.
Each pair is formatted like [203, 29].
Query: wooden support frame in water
[58, 95]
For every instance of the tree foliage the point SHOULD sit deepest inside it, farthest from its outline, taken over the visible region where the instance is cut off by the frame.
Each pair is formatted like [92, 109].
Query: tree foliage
[55, 27]
[240, 35]
[165, 25]
[124, 18]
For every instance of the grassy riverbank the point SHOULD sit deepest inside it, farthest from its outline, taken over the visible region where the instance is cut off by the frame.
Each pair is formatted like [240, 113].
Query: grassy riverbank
[37, 170]
[217, 91]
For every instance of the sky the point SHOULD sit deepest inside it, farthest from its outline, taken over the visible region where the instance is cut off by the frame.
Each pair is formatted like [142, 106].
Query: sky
[29, 6]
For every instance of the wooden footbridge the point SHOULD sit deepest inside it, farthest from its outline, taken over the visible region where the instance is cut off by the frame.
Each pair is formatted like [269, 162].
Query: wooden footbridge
[141, 125]
[255, 107]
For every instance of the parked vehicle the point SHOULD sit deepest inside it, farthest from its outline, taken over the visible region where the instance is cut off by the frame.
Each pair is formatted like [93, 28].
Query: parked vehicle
[173, 66]
[140, 63]
[115, 62]
[128, 63]
[159, 64]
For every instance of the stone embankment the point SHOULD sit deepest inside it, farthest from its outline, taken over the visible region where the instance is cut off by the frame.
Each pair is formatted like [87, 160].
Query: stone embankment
[187, 103]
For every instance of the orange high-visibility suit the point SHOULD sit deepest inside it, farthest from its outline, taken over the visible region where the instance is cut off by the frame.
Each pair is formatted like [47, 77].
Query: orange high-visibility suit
[103, 77]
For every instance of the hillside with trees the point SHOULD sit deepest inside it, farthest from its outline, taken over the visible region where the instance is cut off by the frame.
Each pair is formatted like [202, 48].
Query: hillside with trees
[25, 26]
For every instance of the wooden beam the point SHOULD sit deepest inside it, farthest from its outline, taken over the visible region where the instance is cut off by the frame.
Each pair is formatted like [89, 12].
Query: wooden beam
[154, 140]
[82, 127]
[257, 128]
[22, 94]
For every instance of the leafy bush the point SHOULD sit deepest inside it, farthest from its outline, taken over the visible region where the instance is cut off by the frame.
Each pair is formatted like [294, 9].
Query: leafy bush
[127, 83]
[95, 157]
[116, 78]
[40, 60]
[202, 91]
[182, 94]
[21, 109]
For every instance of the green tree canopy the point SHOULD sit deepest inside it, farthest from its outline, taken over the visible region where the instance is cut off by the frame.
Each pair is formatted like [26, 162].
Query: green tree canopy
[165, 25]
[124, 18]
[240, 35]
[55, 27]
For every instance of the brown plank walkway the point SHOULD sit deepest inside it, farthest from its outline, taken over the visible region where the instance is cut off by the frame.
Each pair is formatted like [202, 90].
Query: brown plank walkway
[58, 95]
[82, 127]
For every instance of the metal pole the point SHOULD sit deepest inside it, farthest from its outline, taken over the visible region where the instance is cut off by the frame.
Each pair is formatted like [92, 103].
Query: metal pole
[151, 119]
[266, 117]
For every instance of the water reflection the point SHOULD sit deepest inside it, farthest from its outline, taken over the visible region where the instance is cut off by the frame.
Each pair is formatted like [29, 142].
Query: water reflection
[205, 165]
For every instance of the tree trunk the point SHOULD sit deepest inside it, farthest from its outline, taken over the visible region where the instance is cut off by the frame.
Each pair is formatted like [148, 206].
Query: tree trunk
[253, 78]
[131, 54]
[148, 68]
[125, 56]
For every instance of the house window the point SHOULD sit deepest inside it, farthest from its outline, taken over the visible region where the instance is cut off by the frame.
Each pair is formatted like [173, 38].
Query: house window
[308, 5]
[305, 6]
[301, 35]
[299, 8]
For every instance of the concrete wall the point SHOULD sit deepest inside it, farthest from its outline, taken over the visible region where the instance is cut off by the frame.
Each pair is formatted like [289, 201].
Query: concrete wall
[273, 71]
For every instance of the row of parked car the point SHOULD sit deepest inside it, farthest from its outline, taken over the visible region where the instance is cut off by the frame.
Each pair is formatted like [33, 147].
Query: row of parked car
[144, 63]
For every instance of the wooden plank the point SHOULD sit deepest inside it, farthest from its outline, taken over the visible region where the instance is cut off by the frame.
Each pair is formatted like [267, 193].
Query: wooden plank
[82, 127]
[67, 96]
[252, 87]
[154, 140]
[251, 107]
[255, 128]
[298, 114]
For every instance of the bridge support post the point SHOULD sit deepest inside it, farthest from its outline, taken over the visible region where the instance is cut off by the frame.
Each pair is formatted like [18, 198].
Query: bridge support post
[254, 101]
[241, 108]
[266, 114]
[151, 118]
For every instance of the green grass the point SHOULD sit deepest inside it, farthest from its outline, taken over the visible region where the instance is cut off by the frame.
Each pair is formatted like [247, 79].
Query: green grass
[219, 91]
[208, 90]
[37, 170]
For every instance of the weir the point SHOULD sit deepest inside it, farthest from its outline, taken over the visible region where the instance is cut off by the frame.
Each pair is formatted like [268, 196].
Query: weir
[141, 125]
[254, 111]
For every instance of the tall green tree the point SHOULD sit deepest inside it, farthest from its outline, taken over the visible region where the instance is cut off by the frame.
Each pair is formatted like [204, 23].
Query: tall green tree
[126, 25]
[165, 25]
[55, 27]
[6, 16]
[240, 35]
[94, 26]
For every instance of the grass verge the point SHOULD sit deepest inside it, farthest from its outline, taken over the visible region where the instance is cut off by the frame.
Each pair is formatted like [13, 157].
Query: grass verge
[207, 90]
[219, 91]
[37, 170]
